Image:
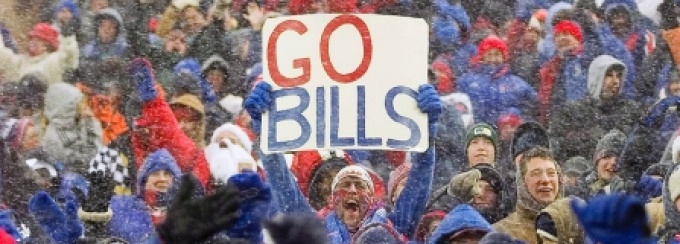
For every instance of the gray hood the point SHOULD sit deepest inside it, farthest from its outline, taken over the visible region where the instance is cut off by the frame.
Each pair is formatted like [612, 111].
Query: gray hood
[113, 14]
[215, 61]
[61, 103]
[597, 71]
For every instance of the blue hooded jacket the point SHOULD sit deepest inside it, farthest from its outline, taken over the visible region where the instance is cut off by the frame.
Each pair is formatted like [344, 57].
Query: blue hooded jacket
[192, 66]
[494, 90]
[95, 50]
[131, 220]
[638, 28]
[462, 217]
[449, 25]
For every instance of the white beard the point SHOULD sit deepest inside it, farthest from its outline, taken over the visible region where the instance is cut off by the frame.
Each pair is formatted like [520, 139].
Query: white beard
[225, 162]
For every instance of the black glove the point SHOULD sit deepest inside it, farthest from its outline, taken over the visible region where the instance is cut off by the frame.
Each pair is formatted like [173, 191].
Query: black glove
[101, 191]
[196, 220]
[69, 28]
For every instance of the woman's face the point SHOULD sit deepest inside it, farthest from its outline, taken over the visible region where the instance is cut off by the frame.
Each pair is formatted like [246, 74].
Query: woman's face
[36, 47]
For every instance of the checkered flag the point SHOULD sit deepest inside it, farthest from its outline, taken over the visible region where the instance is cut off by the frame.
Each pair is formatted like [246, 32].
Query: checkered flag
[108, 159]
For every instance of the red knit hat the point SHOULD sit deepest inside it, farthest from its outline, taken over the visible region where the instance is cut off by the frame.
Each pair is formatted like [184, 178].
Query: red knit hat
[46, 33]
[493, 42]
[569, 27]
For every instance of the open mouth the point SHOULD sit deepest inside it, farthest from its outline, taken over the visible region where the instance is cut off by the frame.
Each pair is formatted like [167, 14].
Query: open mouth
[351, 206]
[545, 190]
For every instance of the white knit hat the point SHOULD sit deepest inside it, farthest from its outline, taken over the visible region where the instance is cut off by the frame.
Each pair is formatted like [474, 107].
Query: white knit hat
[237, 131]
[355, 171]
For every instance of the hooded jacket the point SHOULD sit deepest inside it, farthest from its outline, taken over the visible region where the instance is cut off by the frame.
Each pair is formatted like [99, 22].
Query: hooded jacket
[602, 115]
[463, 217]
[71, 143]
[568, 229]
[95, 50]
[192, 102]
[131, 220]
[640, 41]
[449, 25]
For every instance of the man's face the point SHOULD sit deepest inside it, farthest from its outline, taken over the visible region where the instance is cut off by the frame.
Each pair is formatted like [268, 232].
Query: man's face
[36, 46]
[565, 43]
[481, 150]
[194, 19]
[176, 41]
[619, 21]
[216, 78]
[493, 57]
[107, 31]
[353, 200]
[487, 198]
[64, 15]
[542, 180]
[611, 86]
[159, 181]
[96, 5]
[606, 168]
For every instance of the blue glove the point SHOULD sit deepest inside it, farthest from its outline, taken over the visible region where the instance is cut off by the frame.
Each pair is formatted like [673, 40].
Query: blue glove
[7, 39]
[256, 198]
[429, 102]
[7, 224]
[611, 219]
[257, 103]
[141, 73]
[655, 117]
[648, 187]
[63, 226]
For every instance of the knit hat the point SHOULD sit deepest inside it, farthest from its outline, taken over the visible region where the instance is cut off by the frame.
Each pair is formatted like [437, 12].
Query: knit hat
[576, 166]
[396, 176]
[569, 27]
[425, 221]
[499, 238]
[14, 132]
[482, 130]
[353, 171]
[377, 233]
[611, 144]
[527, 136]
[45, 32]
[492, 42]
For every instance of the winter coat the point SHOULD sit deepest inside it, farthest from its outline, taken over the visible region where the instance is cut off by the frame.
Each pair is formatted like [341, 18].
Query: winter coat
[494, 90]
[463, 217]
[71, 143]
[231, 85]
[595, 186]
[95, 50]
[112, 121]
[601, 116]
[51, 65]
[523, 54]
[641, 42]
[192, 102]
[652, 75]
[567, 226]
[165, 133]
[409, 206]
[131, 220]
[547, 48]
[450, 154]
[449, 25]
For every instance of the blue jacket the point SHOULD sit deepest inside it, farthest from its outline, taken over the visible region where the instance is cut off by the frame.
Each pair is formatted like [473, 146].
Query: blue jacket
[192, 66]
[408, 207]
[462, 217]
[639, 28]
[448, 26]
[494, 90]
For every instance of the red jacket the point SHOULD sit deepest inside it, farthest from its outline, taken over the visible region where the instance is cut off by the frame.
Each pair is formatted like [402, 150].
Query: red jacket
[164, 132]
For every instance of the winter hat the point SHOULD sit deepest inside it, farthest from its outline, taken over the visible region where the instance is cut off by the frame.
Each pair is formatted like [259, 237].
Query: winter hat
[491, 176]
[46, 33]
[305, 165]
[611, 144]
[160, 159]
[294, 229]
[227, 161]
[510, 118]
[492, 42]
[353, 171]
[377, 233]
[658, 169]
[14, 132]
[237, 131]
[529, 135]
[569, 27]
[482, 130]
[576, 166]
[68, 4]
[499, 238]
[424, 223]
[397, 176]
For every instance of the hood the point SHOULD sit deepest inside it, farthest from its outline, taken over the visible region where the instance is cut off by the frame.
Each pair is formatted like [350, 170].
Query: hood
[630, 5]
[492, 176]
[566, 224]
[161, 159]
[550, 15]
[61, 104]
[462, 217]
[111, 14]
[596, 73]
[190, 101]
[215, 62]
[672, 190]
[424, 224]
[306, 165]
[528, 135]
[461, 102]
[70, 5]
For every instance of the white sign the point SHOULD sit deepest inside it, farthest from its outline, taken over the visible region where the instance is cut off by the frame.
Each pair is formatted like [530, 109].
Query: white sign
[344, 82]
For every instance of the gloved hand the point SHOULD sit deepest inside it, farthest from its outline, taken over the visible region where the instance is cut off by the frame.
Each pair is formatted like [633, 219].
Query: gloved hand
[62, 226]
[194, 220]
[613, 218]
[648, 187]
[430, 103]
[256, 198]
[465, 186]
[181, 4]
[257, 103]
[69, 28]
[101, 191]
[141, 72]
[655, 117]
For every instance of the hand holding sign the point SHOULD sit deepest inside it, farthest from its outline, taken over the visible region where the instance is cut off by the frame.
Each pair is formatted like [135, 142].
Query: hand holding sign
[257, 103]
[429, 103]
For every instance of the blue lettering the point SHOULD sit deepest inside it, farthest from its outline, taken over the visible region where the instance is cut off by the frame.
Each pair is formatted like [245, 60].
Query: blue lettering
[362, 140]
[320, 117]
[409, 123]
[337, 141]
[294, 114]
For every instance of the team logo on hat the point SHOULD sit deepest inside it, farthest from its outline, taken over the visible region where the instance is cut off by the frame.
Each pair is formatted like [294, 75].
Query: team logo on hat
[482, 131]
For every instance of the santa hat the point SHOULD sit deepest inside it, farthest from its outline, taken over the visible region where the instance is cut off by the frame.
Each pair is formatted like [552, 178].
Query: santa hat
[569, 27]
[239, 132]
[45, 32]
[492, 42]
[353, 171]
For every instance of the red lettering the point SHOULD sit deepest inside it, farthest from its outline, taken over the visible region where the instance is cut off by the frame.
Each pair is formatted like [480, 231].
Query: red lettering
[273, 66]
[360, 71]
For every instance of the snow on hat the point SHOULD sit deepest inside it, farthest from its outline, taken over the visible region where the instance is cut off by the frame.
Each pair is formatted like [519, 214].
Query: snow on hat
[45, 32]
[492, 42]
[353, 171]
[611, 144]
[569, 27]
[239, 132]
